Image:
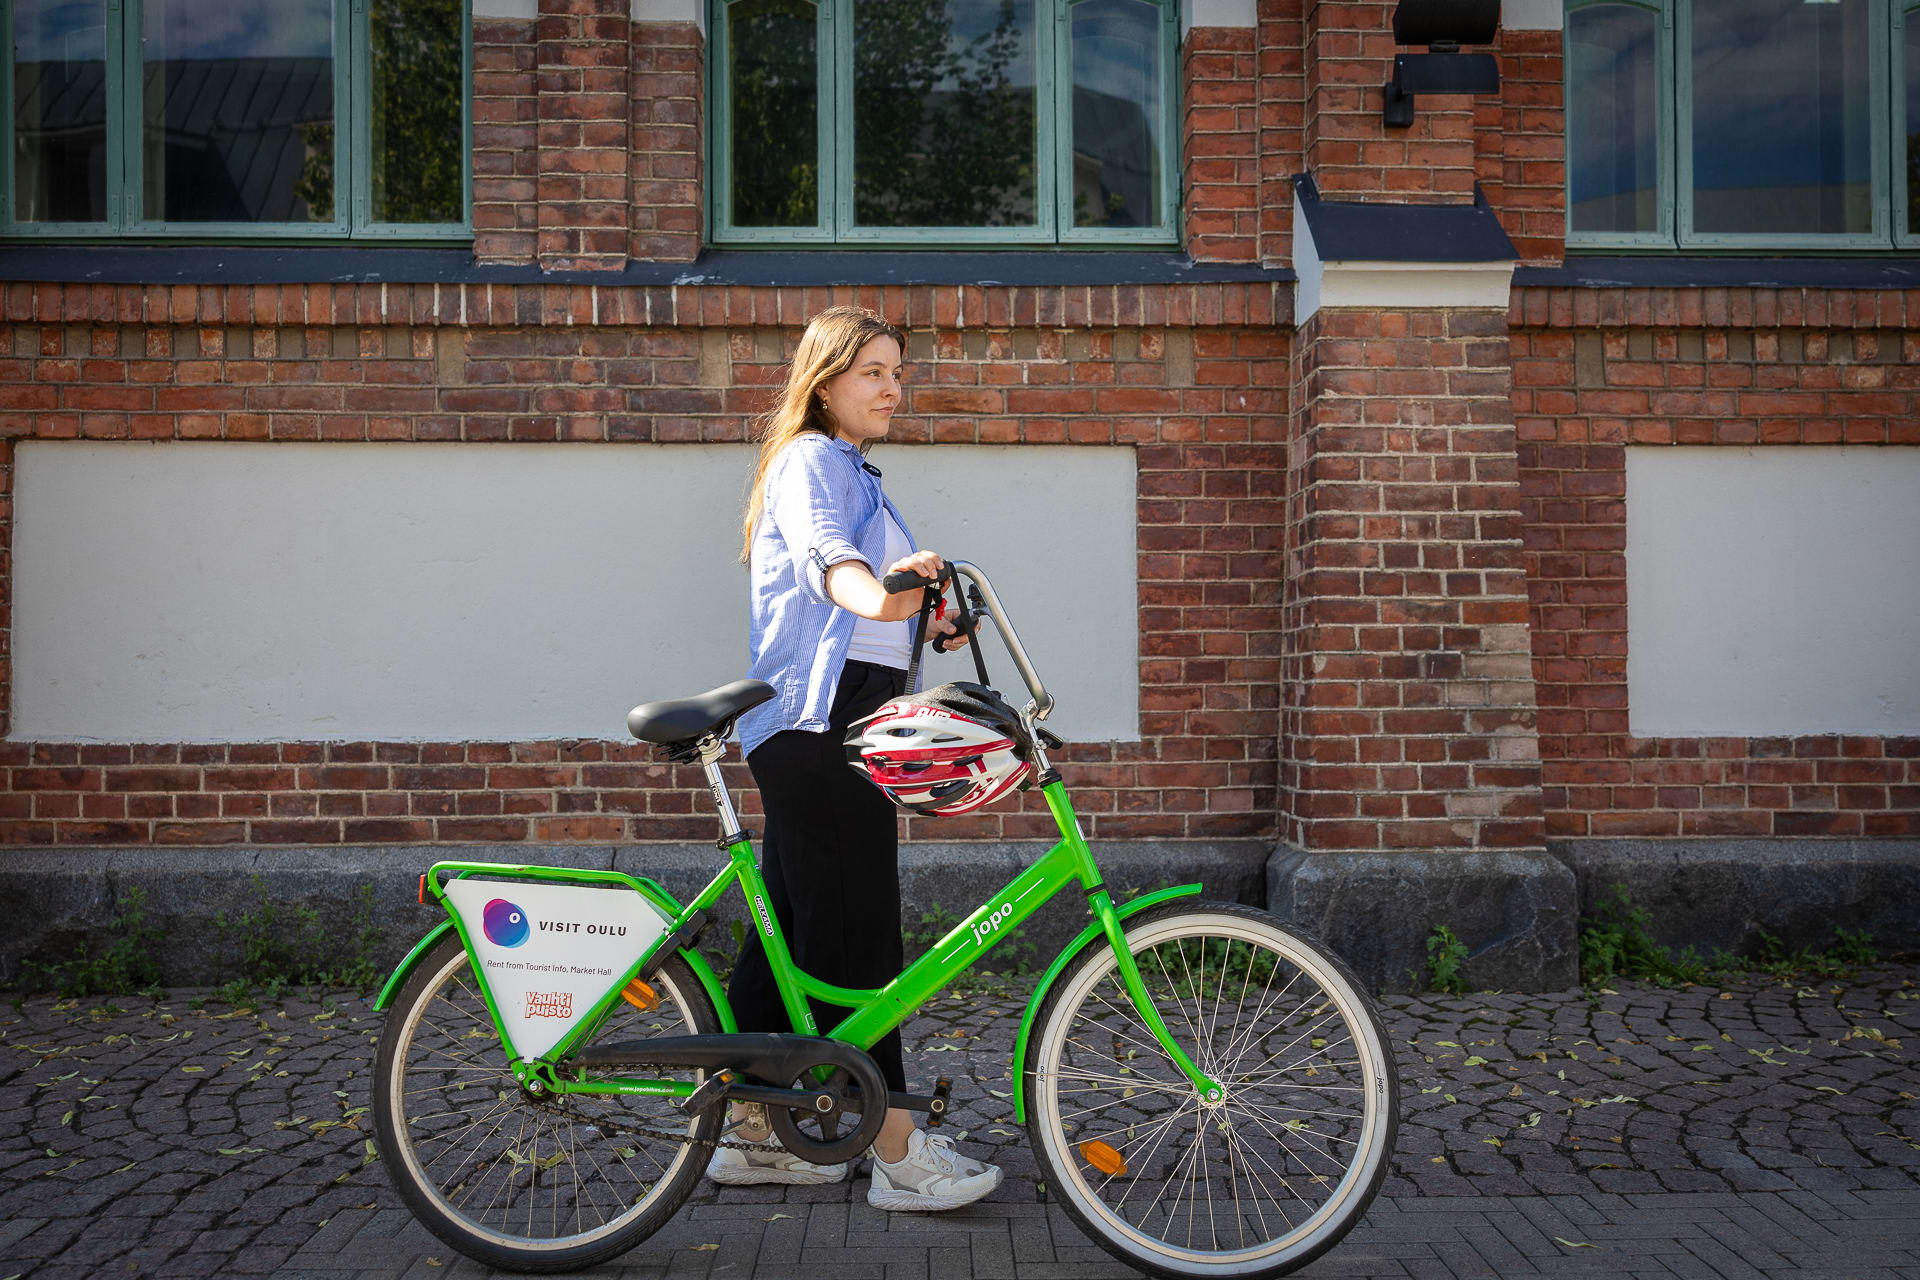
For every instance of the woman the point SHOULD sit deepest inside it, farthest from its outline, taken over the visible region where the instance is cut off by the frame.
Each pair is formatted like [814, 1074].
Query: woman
[819, 533]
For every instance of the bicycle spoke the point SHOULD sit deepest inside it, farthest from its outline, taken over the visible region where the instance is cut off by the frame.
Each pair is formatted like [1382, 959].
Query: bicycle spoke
[512, 1171]
[1258, 1175]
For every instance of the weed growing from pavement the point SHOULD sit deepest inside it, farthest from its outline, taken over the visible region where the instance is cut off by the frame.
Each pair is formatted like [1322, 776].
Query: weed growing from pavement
[1446, 955]
[119, 961]
[277, 952]
[1617, 941]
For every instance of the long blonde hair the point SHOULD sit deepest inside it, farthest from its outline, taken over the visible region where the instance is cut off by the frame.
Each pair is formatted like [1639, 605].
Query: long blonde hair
[827, 349]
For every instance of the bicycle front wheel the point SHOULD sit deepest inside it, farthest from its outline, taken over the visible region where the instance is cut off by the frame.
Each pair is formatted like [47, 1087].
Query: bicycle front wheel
[1264, 1179]
[519, 1182]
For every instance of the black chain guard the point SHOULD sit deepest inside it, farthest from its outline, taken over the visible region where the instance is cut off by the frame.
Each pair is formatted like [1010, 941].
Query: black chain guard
[847, 1087]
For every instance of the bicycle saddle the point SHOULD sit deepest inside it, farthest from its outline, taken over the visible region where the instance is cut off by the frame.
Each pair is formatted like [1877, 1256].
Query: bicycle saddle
[678, 720]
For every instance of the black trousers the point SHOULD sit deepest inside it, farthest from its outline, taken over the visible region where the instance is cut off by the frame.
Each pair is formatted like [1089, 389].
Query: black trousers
[831, 862]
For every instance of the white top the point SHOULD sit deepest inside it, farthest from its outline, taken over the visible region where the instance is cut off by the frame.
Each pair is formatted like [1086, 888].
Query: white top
[886, 644]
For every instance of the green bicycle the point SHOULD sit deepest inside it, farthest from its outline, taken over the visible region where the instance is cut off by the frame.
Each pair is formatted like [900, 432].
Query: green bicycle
[1207, 1091]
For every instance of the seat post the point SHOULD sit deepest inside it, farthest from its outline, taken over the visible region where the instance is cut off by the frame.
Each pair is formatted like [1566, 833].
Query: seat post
[711, 750]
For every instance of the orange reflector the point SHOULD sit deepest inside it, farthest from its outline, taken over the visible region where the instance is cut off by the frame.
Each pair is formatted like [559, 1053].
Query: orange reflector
[1104, 1158]
[640, 995]
[423, 891]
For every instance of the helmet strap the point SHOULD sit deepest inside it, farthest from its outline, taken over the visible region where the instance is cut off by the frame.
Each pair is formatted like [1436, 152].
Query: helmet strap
[965, 621]
[928, 599]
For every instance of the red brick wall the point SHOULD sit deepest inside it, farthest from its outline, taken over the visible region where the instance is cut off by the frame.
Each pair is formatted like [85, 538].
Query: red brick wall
[1220, 144]
[1193, 376]
[1350, 151]
[587, 139]
[1521, 145]
[582, 57]
[665, 144]
[1408, 702]
[1280, 51]
[505, 219]
[1693, 367]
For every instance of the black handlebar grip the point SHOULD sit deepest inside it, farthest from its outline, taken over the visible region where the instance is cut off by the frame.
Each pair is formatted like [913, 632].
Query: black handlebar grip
[907, 580]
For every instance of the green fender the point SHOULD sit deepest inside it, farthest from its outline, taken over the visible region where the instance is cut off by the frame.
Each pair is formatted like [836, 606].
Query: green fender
[405, 967]
[695, 961]
[1088, 936]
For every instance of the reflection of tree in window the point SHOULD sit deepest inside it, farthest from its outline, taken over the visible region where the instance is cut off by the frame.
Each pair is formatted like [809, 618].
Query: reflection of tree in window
[773, 78]
[943, 102]
[415, 121]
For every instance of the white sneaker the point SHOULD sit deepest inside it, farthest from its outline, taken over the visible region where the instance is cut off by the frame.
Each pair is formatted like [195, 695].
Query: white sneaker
[739, 1168]
[931, 1177]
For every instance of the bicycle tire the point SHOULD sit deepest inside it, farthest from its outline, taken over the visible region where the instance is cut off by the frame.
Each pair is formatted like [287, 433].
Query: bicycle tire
[514, 1182]
[1304, 1134]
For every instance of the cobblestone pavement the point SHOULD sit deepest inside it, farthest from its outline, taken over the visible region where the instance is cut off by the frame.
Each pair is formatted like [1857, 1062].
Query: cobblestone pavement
[1763, 1129]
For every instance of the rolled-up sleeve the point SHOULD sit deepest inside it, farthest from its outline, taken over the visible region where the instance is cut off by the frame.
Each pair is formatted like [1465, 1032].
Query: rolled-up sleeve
[809, 496]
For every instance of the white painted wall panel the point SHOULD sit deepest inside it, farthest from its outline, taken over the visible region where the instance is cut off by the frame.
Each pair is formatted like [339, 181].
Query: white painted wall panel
[1773, 591]
[227, 592]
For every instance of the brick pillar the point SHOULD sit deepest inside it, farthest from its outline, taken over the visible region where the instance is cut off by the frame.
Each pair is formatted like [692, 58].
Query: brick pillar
[1407, 688]
[1350, 151]
[505, 154]
[581, 58]
[1221, 146]
[665, 142]
[1409, 755]
[1279, 114]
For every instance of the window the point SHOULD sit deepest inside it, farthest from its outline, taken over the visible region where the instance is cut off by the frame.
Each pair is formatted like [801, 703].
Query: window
[944, 121]
[237, 118]
[1731, 124]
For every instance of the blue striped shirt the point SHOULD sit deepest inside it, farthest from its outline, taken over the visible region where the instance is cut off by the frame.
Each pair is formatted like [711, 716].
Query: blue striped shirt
[822, 507]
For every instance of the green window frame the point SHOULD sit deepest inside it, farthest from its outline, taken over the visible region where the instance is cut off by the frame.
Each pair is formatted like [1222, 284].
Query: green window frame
[1053, 144]
[352, 145]
[1673, 76]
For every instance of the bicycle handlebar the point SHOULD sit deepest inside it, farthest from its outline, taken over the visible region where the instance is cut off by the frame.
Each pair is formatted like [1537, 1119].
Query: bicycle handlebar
[906, 580]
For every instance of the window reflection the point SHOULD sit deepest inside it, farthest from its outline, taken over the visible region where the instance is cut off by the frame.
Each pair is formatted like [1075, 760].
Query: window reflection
[416, 165]
[1117, 114]
[943, 107]
[238, 110]
[773, 77]
[59, 111]
[1782, 140]
[1612, 180]
[1911, 143]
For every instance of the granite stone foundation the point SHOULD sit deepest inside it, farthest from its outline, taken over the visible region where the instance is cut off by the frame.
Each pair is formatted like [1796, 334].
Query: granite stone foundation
[1515, 909]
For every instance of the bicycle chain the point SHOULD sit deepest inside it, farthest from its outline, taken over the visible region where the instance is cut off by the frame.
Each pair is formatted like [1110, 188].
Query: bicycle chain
[684, 1139]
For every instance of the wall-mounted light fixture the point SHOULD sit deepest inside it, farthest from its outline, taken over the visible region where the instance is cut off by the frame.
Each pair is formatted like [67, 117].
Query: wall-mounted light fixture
[1442, 26]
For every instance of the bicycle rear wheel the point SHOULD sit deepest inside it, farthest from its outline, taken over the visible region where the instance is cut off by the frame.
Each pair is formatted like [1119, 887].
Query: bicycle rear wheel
[525, 1183]
[1255, 1184]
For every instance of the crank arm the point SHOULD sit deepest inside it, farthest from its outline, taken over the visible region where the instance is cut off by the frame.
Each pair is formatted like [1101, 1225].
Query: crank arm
[725, 1086]
[935, 1106]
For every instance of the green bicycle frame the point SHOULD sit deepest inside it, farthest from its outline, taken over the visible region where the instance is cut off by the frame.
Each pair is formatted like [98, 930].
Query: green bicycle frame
[873, 1012]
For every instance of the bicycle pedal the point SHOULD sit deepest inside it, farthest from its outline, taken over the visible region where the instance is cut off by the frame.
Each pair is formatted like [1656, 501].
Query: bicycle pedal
[942, 1090]
[709, 1093]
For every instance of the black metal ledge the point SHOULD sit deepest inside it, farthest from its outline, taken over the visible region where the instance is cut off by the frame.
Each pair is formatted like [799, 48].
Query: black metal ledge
[1352, 231]
[783, 268]
[1723, 273]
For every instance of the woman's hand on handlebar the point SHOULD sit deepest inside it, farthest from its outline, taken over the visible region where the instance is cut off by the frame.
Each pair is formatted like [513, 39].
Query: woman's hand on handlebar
[852, 586]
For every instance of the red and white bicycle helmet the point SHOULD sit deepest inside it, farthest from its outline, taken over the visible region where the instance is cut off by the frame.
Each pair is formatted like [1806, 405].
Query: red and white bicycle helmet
[950, 749]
